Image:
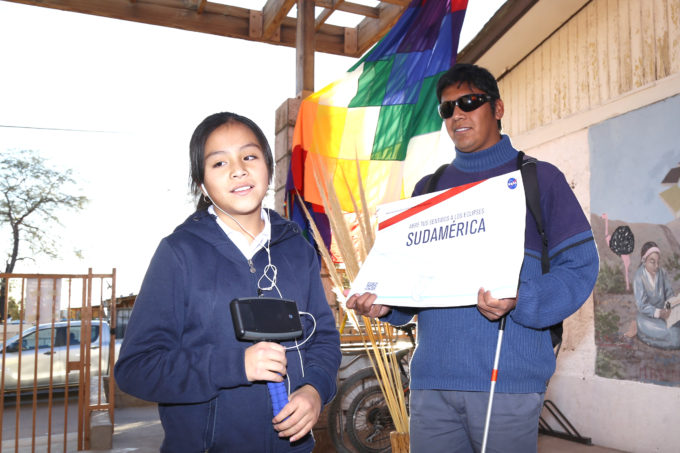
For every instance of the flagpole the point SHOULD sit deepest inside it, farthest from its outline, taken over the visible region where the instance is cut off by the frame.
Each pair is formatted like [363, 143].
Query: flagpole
[494, 377]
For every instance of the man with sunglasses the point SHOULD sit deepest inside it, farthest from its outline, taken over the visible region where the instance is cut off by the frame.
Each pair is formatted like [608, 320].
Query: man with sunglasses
[453, 362]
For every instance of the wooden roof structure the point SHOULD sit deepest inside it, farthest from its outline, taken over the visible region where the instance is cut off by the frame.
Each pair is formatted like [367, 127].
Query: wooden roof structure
[508, 37]
[269, 23]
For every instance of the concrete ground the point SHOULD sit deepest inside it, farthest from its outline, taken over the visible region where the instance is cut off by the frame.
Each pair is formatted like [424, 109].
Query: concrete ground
[138, 430]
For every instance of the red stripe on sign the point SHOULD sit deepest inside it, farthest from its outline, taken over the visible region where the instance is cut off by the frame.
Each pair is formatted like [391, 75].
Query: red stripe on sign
[453, 191]
[494, 375]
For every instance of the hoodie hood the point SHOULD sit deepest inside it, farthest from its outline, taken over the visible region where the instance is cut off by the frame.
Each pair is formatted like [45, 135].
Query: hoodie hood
[203, 225]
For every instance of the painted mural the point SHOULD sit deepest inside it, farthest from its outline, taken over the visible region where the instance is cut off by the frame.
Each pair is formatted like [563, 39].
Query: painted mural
[635, 215]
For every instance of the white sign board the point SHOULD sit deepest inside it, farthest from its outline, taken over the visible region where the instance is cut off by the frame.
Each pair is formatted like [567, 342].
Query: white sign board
[438, 249]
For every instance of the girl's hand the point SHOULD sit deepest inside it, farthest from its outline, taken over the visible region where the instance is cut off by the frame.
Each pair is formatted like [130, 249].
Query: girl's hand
[299, 416]
[265, 361]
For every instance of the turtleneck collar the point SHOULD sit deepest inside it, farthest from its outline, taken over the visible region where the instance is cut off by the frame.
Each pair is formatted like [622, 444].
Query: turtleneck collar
[485, 159]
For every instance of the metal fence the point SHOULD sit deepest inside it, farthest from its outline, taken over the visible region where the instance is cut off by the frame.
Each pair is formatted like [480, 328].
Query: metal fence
[58, 338]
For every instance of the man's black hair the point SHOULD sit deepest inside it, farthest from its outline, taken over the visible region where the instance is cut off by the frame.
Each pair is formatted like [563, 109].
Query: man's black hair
[470, 74]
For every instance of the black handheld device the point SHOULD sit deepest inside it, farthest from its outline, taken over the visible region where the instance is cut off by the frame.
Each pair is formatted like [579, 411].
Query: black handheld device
[265, 319]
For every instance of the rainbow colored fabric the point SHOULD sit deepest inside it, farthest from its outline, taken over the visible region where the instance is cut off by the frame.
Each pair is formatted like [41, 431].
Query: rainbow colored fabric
[383, 112]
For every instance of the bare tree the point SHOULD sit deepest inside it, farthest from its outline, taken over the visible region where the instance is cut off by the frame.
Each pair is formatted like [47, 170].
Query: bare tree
[30, 196]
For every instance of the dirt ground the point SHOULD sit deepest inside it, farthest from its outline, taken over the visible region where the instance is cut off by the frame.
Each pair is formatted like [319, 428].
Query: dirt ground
[620, 354]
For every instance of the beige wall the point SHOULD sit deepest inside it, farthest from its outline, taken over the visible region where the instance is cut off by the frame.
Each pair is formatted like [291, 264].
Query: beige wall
[612, 57]
[608, 49]
[626, 415]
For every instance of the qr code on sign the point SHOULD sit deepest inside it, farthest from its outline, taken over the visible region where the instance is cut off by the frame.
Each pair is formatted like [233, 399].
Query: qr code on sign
[371, 286]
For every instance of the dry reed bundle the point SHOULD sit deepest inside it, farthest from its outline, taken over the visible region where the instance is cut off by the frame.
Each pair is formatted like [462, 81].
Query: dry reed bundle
[379, 338]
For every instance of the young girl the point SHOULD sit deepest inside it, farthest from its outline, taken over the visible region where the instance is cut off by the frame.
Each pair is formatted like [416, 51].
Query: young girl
[180, 348]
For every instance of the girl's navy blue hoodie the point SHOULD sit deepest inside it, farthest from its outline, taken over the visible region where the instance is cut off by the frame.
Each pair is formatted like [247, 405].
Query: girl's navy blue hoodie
[180, 349]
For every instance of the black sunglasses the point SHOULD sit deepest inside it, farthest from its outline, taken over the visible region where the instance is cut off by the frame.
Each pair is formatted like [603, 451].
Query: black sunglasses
[466, 103]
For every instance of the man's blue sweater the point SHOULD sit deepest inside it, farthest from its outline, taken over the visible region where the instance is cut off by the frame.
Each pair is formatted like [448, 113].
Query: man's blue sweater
[456, 346]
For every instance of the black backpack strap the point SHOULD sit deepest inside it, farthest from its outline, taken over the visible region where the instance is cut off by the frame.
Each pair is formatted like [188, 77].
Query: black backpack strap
[533, 197]
[431, 185]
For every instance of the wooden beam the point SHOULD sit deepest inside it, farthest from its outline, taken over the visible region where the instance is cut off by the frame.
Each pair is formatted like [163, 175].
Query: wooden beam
[200, 6]
[322, 18]
[329, 7]
[349, 7]
[255, 28]
[360, 10]
[350, 41]
[274, 11]
[305, 46]
[221, 20]
[369, 31]
[225, 10]
[396, 2]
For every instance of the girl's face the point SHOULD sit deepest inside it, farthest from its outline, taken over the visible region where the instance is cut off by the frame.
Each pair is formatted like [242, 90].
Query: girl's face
[235, 173]
[652, 263]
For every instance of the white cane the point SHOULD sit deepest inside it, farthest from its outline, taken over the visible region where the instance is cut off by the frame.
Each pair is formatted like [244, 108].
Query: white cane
[494, 376]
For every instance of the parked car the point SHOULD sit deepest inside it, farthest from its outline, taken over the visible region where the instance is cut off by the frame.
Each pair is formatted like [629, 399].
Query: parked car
[67, 337]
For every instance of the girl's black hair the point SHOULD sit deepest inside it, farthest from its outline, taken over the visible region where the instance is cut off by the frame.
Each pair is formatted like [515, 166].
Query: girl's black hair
[646, 246]
[197, 149]
[465, 73]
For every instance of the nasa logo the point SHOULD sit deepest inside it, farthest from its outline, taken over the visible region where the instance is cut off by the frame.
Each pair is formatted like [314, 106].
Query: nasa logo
[512, 183]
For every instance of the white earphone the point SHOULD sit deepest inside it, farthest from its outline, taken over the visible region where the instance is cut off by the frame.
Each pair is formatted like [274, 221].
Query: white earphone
[269, 273]
[205, 192]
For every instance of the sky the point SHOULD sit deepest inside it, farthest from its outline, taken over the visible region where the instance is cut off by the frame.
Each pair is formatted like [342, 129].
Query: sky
[117, 102]
[633, 195]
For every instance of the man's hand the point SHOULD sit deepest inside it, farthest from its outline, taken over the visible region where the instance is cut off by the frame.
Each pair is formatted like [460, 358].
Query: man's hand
[365, 305]
[299, 416]
[493, 309]
[265, 362]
